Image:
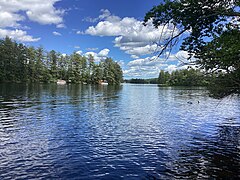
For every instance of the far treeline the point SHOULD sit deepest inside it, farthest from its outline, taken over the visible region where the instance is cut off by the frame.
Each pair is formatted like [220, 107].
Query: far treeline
[19, 63]
[184, 77]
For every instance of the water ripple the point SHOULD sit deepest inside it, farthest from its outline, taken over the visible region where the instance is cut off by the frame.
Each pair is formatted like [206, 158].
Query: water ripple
[129, 132]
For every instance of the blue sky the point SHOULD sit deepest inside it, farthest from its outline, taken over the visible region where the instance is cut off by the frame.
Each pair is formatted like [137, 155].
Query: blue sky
[103, 28]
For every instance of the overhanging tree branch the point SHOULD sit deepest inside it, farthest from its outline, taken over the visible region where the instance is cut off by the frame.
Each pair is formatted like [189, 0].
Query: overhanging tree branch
[171, 39]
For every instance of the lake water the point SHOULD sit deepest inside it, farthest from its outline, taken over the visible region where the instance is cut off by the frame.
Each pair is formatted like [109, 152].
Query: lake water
[110, 132]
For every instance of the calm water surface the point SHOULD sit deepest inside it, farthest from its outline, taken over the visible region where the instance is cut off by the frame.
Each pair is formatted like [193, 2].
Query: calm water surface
[126, 132]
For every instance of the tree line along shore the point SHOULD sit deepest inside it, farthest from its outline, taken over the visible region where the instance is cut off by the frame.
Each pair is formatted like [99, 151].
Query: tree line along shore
[20, 63]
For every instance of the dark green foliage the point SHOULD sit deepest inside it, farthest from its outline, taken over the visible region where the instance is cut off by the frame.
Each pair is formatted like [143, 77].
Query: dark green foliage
[112, 72]
[224, 84]
[137, 81]
[221, 57]
[163, 77]
[52, 55]
[211, 31]
[143, 81]
[222, 52]
[8, 60]
[19, 63]
[97, 74]
[185, 77]
[205, 18]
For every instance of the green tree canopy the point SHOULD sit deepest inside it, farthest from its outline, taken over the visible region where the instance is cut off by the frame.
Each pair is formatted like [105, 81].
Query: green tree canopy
[199, 18]
[19, 63]
[211, 33]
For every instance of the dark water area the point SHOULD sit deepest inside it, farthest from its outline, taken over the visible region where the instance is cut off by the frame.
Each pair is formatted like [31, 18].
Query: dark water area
[117, 132]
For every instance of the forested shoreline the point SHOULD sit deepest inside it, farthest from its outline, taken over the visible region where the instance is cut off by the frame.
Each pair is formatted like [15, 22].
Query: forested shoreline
[184, 77]
[20, 63]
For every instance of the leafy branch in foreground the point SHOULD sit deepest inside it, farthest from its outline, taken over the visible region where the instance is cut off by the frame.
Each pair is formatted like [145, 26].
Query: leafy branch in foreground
[210, 29]
[198, 18]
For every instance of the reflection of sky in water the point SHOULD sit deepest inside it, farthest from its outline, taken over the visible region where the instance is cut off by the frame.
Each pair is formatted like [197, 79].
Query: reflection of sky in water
[110, 132]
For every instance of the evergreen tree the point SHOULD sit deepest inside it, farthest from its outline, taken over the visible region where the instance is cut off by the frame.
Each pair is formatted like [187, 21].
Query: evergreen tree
[62, 65]
[31, 62]
[185, 77]
[112, 72]
[19, 63]
[8, 58]
[52, 55]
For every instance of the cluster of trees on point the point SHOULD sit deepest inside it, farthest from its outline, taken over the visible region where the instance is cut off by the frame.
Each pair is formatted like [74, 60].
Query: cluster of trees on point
[19, 63]
[211, 33]
[184, 77]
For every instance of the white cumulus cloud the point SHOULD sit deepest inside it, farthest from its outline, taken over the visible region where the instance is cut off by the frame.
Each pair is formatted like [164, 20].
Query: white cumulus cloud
[130, 34]
[134, 56]
[8, 19]
[55, 33]
[79, 52]
[104, 53]
[41, 11]
[150, 66]
[98, 56]
[61, 26]
[105, 13]
[18, 35]
[14, 12]
[171, 68]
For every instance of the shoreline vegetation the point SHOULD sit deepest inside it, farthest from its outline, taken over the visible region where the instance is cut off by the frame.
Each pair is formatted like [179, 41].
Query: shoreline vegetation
[186, 77]
[215, 83]
[20, 64]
